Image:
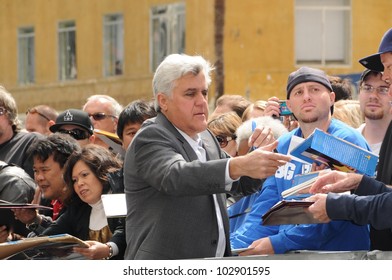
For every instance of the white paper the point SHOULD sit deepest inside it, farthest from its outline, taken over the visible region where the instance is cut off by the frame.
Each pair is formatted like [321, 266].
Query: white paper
[114, 205]
[294, 142]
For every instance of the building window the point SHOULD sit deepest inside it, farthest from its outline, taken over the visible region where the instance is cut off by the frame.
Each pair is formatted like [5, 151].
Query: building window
[167, 33]
[323, 32]
[26, 62]
[67, 51]
[113, 45]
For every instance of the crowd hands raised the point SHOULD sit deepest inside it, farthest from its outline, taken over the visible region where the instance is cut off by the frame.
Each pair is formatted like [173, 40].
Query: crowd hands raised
[180, 164]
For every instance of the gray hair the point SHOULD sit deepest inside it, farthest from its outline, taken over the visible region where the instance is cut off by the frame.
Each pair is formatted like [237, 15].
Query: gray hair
[8, 102]
[116, 107]
[175, 66]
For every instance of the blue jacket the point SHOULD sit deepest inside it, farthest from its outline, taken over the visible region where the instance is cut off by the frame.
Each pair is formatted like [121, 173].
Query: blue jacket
[333, 236]
[239, 210]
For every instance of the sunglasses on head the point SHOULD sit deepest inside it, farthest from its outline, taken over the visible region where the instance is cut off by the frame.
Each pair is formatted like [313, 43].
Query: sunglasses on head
[100, 116]
[77, 134]
[35, 111]
[224, 140]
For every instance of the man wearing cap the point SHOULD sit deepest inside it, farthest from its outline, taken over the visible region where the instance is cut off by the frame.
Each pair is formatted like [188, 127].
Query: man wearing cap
[76, 123]
[371, 201]
[310, 98]
[374, 102]
[382, 61]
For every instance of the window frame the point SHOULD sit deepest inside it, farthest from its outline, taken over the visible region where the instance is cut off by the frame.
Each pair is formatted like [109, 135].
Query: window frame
[63, 28]
[109, 68]
[26, 70]
[174, 17]
[345, 32]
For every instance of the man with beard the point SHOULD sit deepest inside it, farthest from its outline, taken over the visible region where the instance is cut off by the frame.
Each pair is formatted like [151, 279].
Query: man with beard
[310, 98]
[374, 102]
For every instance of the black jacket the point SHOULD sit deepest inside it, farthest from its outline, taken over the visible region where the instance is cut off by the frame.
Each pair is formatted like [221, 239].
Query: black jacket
[75, 221]
[382, 239]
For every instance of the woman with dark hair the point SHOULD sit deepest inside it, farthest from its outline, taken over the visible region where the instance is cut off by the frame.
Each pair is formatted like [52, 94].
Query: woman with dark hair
[88, 173]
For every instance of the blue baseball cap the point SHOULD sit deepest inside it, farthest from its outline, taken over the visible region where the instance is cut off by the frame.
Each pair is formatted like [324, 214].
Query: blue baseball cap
[373, 62]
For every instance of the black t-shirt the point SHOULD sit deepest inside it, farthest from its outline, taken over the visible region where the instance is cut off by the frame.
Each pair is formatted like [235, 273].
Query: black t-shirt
[14, 151]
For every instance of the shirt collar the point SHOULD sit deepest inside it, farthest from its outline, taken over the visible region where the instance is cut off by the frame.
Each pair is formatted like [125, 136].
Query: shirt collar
[195, 143]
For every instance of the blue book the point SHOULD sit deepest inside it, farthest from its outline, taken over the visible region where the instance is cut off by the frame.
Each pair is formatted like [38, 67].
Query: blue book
[300, 183]
[338, 154]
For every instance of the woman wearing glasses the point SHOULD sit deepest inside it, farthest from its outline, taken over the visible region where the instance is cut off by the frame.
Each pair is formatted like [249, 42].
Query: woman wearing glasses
[224, 127]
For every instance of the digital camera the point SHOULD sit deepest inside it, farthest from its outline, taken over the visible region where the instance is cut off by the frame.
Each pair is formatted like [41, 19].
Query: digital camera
[284, 110]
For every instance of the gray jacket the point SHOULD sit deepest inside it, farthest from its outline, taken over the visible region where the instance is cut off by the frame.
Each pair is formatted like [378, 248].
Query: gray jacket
[171, 213]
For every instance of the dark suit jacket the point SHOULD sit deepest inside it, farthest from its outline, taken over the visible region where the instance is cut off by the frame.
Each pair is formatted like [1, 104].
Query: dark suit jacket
[372, 204]
[382, 239]
[171, 212]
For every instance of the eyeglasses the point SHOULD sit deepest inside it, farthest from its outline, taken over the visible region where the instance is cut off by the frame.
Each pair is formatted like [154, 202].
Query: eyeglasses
[100, 116]
[2, 111]
[383, 90]
[77, 134]
[224, 140]
[35, 111]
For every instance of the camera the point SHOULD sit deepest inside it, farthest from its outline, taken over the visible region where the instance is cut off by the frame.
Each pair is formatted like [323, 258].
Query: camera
[284, 110]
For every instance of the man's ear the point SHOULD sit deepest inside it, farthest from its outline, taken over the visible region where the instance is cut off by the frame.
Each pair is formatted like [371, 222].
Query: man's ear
[92, 138]
[332, 96]
[162, 101]
[50, 123]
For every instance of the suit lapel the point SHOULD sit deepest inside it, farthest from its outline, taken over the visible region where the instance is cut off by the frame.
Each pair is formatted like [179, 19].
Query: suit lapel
[213, 151]
[162, 120]
[210, 145]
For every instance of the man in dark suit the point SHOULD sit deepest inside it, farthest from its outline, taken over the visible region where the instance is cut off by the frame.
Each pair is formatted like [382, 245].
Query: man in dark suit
[176, 175]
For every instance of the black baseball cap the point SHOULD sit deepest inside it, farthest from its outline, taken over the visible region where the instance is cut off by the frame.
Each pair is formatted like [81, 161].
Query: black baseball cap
[307, 74]
[366, 73]
[75, 117]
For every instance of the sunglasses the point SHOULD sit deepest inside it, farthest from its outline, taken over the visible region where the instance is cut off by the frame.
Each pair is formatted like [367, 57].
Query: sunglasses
[224, 140]
[100, 116]
[35, 111]
[2, 111]
[77, 134]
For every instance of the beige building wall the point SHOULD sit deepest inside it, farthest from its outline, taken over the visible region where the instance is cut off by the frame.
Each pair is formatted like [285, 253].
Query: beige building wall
[258, 46]
[44, 15]
[260, 43]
